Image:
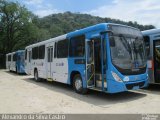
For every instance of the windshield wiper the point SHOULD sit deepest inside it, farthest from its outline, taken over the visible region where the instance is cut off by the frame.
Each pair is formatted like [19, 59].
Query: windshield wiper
[125, 43]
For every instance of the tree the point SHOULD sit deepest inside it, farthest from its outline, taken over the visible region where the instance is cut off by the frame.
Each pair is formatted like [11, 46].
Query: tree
[20, 27]
[15, 21]
[16, 27]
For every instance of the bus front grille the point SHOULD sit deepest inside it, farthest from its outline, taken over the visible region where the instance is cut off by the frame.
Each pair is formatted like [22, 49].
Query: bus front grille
[130, 86]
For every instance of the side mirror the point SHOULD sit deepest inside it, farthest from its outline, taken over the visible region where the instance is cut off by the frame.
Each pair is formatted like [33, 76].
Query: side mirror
[112, 42]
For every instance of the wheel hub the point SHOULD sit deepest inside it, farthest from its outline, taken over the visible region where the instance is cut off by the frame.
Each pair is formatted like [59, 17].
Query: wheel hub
[78, 84]
[36, 77]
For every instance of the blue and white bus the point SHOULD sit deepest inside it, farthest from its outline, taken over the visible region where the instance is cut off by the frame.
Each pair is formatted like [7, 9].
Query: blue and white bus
[105, 57]
[15, 61]
[152, 42]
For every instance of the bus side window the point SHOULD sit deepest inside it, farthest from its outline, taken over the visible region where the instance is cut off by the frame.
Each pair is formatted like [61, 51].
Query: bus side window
[29, 56]
[62, 49]
[49, 59]
[41, 52]
[147, 45]
[55, 50]
[14, 57]
[77, 46]
[25, 54]
[35, 53]
[9, 57]
[51, 50]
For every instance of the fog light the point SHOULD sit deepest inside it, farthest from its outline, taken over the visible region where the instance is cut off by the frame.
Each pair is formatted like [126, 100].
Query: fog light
[126, 79]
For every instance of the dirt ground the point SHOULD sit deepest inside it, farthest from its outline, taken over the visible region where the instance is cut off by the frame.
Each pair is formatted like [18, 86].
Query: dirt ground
[21, 94]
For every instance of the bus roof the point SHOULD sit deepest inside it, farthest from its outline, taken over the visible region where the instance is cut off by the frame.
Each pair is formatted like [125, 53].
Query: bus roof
[48, 41]
[151, 31]
[11, 53]
[100, 27]
[20, 51]
[15, 52]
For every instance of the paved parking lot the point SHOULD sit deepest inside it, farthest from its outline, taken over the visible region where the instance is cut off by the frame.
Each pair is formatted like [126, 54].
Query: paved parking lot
[21, 94]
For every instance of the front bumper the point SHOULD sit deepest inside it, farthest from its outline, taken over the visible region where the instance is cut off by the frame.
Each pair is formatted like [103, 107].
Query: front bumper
[115, 87]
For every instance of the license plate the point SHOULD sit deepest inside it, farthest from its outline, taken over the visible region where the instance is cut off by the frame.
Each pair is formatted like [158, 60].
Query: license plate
[136, 87]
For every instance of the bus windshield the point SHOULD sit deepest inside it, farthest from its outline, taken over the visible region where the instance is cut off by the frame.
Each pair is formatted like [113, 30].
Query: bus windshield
[128, 54]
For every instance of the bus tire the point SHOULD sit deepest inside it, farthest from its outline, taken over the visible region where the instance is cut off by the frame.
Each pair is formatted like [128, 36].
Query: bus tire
[36, 78]
[78, 85]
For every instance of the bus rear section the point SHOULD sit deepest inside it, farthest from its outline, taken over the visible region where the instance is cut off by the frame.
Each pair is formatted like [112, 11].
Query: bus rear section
[152, 43]
[15, 61]
[8, 61]
[11, 61]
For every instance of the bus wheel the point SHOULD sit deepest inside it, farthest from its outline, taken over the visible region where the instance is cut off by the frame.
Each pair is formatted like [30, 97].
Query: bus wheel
[78, 85]
[36, 78]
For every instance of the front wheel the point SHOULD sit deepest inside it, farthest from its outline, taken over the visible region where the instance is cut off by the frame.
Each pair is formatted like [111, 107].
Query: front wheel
[78, 85]
[36, 78]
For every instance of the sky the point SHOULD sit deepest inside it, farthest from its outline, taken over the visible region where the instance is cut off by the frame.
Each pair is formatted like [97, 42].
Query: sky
[143, 11]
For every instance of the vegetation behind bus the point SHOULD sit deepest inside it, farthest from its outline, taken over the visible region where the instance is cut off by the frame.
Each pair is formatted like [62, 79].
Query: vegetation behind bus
[19, 27]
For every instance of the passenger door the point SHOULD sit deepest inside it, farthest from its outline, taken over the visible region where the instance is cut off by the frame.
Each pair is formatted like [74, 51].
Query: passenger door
[157, 60]
[90, 67]
[49, 49]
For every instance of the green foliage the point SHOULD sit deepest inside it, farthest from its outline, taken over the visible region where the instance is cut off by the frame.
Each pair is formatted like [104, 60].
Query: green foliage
[63, 23]
[14, 20]
[19, 27]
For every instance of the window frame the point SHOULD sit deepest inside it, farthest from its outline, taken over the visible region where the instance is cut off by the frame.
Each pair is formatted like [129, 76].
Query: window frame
[14, 57]
[76, 38]
[37, 53]
[26, 54]
[41, 52]
[64, 52]
[55, 50]
[9, 58]
[147, 39]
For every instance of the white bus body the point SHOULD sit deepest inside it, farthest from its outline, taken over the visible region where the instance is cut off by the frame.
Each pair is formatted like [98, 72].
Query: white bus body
[10, 62]
[47, 67]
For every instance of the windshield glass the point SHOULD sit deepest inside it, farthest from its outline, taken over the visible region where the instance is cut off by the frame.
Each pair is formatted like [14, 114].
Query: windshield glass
[127, 53]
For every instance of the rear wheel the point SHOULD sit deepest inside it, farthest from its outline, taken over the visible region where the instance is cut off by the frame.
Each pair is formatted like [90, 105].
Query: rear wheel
[36, 78]
[78, 85]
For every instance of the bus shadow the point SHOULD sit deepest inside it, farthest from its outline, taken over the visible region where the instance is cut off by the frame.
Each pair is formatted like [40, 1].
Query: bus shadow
[15, 74]
[153, 89]
[93, 97]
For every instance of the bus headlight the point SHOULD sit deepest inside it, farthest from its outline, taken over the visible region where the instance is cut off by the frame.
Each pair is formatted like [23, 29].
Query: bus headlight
[126, 79]
[116, 77]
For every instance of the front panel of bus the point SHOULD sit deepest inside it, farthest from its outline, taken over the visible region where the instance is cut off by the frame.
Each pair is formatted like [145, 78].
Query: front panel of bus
[127, 67]
[20, 62]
